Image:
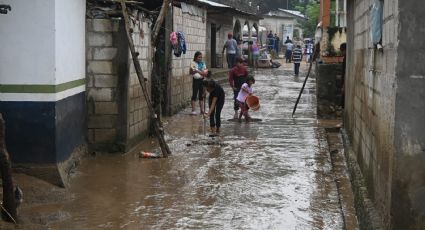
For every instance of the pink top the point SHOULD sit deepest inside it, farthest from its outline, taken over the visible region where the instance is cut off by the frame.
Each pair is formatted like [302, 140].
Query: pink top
[242, 94]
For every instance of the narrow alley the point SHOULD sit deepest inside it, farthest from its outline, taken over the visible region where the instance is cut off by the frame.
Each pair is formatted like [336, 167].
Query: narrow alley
[272, 174]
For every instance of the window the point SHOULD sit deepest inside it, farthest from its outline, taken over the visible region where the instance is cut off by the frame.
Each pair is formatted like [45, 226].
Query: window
[376, 24]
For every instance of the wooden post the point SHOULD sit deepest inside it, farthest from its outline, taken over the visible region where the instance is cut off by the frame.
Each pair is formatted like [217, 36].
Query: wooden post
[9, 203]
[157, 125]
[159, 21]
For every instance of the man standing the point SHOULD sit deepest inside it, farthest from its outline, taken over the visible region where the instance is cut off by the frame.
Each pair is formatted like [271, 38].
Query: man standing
[288, 40]
[231, 47]
[288, 53]
[237, 76]
[270, 41]
[297, 57]
[276, 44]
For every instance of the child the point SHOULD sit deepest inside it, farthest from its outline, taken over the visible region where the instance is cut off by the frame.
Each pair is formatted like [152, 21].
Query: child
[245, 91]
[297, 57]
[215, 104]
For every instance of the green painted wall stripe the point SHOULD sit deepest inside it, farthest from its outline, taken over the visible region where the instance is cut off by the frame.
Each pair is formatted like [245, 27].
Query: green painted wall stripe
[41, 88]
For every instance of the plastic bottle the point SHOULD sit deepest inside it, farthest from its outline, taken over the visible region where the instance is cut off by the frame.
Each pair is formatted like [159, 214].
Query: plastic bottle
[143, 154]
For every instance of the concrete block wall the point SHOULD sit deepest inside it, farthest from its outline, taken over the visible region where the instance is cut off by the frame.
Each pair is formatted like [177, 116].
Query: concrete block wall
[102, 81]
[194, 29]
[370, 99]
[117, 111]
[138, 114]
[408, 189]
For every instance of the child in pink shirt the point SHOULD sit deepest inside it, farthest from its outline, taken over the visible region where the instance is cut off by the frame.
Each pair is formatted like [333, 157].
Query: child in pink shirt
[245, 91]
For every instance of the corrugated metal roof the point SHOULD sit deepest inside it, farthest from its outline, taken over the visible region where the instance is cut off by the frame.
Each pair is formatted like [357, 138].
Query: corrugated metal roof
[294, 12]
[214, 4]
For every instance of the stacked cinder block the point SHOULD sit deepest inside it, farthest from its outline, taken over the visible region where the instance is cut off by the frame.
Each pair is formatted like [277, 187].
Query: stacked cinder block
[138, 113]
[118, 114]
[102, 81]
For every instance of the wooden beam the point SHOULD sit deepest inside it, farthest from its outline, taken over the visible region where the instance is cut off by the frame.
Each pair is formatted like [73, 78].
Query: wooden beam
[159, 21]
[159, 131]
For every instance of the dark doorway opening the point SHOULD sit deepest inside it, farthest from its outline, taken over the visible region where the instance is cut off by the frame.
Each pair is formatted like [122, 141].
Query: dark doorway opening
[213, 45]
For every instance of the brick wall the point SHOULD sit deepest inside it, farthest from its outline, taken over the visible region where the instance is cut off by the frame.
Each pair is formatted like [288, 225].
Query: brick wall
[138, 114]
[102, 81]
[194, 29]
[370, 98]
[117, 110]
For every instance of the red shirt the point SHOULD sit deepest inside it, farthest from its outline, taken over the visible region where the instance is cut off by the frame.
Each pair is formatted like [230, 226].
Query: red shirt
[237, 76]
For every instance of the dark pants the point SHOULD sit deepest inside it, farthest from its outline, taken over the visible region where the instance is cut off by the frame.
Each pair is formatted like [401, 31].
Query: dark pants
[197, 89]
[297, 68]
[288, 55]
[236, 102]
[231, 59]
[215, 118]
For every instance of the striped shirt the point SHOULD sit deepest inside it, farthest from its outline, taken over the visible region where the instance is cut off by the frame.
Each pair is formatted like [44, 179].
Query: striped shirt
[297, 55]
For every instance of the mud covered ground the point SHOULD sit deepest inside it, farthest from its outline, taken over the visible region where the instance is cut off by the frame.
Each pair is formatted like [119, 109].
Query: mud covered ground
[276, 173]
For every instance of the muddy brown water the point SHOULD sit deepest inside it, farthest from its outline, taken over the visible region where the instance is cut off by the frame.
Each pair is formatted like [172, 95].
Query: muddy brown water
[270, 174]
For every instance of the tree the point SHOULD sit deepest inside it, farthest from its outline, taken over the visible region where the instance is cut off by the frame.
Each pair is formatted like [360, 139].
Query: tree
[312, 12]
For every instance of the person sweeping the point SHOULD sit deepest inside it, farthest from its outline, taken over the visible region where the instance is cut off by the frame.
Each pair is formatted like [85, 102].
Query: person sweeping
[215, 104]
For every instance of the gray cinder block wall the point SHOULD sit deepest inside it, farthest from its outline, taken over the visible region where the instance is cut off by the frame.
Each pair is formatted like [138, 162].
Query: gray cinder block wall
[385, 109]
[117, 110]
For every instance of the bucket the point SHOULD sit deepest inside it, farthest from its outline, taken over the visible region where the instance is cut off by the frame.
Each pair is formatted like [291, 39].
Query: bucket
[253, 102]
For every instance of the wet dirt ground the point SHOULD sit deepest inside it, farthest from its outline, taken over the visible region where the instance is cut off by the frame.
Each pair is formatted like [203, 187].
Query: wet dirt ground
[272, 174]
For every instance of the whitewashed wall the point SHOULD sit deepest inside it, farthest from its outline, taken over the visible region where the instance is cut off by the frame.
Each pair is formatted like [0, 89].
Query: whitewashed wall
[70, 40]
[27, 38]
[43, 45]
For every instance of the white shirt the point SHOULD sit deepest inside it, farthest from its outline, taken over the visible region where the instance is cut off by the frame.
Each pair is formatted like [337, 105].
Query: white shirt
[242, 94]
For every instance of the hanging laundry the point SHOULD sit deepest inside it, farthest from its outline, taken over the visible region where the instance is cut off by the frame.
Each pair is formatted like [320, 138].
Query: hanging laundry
[181, 46]
[173, 38]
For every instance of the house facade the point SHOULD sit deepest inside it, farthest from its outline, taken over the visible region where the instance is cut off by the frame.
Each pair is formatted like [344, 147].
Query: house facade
[224, 19]
[384, 108]
[333, 15]
[284, 23]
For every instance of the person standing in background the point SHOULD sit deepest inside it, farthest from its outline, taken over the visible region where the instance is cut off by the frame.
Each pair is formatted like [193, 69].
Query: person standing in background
[255, 50]
[297, 57]
[270, 42]
[231, 47]
[276, 44]
[288, 53]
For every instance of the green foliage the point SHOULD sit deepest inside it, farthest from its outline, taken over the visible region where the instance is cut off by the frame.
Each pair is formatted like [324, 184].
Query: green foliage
[312, 11]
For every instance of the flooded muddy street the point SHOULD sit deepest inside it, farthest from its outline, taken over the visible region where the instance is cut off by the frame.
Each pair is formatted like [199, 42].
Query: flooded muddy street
[270, 174]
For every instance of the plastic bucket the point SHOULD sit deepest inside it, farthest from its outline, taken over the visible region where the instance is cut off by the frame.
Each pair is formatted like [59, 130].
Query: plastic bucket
[253, 102]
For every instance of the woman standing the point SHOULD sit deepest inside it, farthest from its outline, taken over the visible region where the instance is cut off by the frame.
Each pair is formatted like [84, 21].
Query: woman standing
[199, 71]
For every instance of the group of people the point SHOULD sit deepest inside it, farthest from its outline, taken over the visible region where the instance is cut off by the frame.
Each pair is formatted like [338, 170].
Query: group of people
[239, 81]
[308, 50]
[273, 42]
